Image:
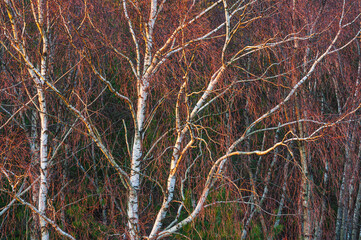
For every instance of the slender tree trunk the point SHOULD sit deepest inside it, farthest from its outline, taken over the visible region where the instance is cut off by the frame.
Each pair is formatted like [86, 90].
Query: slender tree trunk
[265, 191]
[133, 205]
[356, 216]
[64, 182]
[343, 217]
[319, 227]
[34, 148]
[256, 210]
[142, 87]
[43, 190]
[356, 213]
[341, 201]
[251, 209]
[305, 197]
[282, 202]
[305, 186]
[137, 152]
[351, 200]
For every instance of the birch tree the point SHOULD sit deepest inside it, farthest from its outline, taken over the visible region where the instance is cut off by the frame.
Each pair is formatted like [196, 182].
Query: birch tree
[39, 76]
[175, 109]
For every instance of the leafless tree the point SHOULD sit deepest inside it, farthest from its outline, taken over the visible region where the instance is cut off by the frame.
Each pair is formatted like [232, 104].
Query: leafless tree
[171, 109]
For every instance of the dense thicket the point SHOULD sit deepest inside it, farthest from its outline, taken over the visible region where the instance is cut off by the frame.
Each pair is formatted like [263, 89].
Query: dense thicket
[155, 119]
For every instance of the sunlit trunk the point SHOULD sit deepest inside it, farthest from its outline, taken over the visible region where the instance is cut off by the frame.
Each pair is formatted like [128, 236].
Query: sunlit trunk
[133, 205]
[137, 152]
[177, 153]
[170, 186]
[43, 190]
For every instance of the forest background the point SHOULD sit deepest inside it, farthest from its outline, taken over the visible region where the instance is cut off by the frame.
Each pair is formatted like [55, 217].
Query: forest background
[189, 119]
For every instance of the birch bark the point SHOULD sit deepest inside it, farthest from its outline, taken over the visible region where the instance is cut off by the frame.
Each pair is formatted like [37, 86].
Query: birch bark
[39, 79]
[43, 190]
[34, 148]
[143, 87]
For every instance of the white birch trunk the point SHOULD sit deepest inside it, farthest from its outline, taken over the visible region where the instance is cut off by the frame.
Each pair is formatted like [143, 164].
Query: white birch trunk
[133, 205]
[176, 155]
[137, 152]
[170, 188]
[43, 190]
